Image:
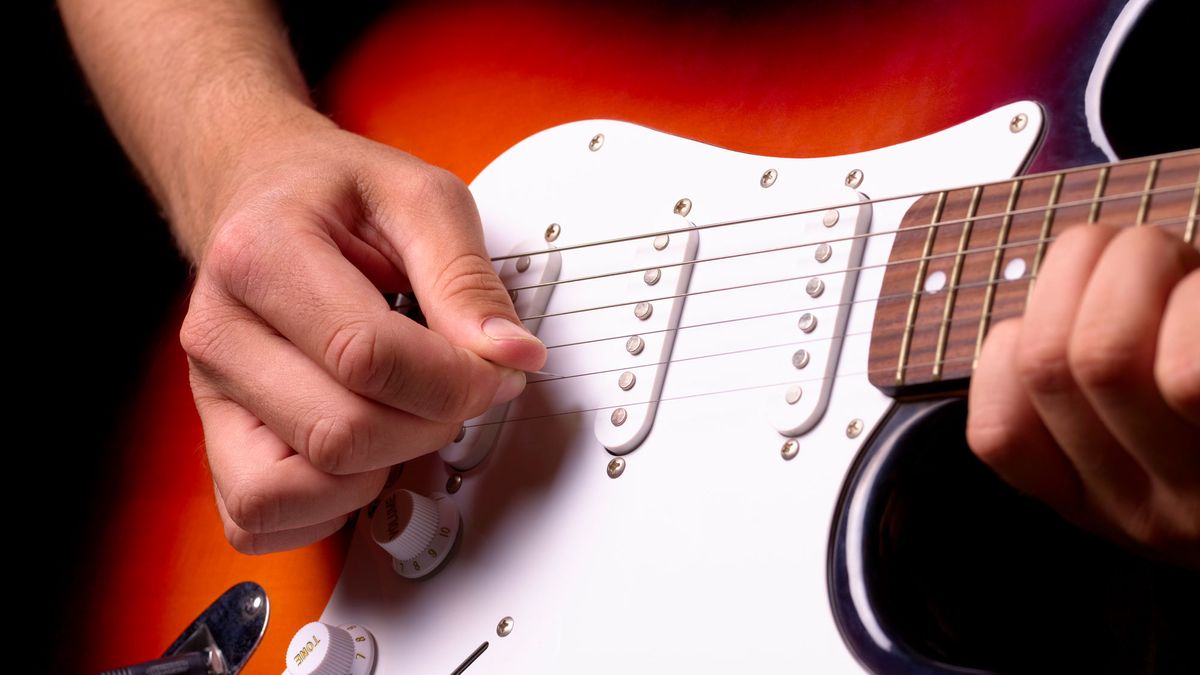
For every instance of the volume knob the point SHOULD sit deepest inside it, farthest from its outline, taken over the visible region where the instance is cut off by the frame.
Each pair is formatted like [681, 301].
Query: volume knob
[417, 531]
[321, 649]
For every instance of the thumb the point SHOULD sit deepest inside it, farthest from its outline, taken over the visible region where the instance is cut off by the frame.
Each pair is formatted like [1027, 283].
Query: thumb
[452, 276]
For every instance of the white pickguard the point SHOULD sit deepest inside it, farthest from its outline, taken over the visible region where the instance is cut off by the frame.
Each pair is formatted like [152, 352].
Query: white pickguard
[709, 553]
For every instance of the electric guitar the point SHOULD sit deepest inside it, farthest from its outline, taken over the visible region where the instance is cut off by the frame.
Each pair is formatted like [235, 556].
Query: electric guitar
[747, 451]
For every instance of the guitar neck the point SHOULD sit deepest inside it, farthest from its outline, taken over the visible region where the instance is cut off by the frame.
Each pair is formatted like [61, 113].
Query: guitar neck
[968, 258]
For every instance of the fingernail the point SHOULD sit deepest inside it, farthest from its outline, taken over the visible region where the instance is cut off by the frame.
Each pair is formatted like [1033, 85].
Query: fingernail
[512, 383]
[499, 328]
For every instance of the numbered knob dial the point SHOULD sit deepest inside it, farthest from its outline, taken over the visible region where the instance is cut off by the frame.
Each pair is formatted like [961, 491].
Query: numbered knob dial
[417, 531]
[321, 649]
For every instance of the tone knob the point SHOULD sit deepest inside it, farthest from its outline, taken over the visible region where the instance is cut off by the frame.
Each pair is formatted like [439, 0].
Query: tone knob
[417, 531]
[321, 649]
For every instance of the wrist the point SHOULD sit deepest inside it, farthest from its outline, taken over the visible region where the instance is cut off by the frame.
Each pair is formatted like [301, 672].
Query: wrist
[236, 140]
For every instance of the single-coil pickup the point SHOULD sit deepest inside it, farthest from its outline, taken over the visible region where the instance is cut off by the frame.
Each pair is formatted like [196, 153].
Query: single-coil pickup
[821, 293]
[532, 274]
[649, 323]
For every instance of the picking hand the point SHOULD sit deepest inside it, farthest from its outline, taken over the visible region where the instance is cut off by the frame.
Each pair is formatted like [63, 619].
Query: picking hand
[308, 386]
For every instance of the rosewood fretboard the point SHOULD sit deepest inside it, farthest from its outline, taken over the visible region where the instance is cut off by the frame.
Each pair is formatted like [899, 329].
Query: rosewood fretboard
[965, 259]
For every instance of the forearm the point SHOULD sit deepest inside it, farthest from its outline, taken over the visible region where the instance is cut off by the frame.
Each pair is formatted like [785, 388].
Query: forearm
[191, 89]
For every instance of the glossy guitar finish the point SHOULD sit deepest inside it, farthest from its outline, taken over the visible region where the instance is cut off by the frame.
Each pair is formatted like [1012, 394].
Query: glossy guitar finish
[458, 87]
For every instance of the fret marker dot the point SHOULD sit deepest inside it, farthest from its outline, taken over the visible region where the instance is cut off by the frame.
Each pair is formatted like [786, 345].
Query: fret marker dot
[1014, 269]
[935, 282]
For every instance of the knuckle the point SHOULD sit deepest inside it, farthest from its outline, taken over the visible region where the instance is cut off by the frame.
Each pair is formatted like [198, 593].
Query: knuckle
[251, 508]
[334, 444]
[995, 441]
[242, 541]
[1043, 367]
[468, 277]
[1160, 529]
[202, 335]
[355, 357]
[1102, 360]
[1178, 381]
[234, 253]
[435, 187]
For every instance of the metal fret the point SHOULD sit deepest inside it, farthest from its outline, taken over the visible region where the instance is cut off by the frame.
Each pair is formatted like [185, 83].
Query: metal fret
[1144, 207]
[952, 294]
[918, 286]
[1101, 183]
[1189, 233]
[990, 292]
[1047, 225]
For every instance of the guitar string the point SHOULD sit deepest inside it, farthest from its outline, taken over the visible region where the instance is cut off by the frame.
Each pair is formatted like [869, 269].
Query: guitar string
[973, 318]
[707, 291]
[889, 263]
[732, 390]
[1022, 179]
[866, 235]
[895, 296]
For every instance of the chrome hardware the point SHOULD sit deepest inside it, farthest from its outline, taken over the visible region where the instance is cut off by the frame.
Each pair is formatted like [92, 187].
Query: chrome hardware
[635, 344]
[800, 359]
[626, 380]
[618, 417]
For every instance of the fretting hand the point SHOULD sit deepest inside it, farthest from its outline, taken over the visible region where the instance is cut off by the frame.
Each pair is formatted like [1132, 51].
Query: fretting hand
[1091, 400]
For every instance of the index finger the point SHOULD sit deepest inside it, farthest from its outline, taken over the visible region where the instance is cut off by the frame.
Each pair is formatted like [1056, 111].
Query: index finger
[303, 287]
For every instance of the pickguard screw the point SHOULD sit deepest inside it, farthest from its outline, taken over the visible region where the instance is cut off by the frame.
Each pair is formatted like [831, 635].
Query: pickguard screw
[596, 143]
[768, 178]
[453, 483]
[789, 449]
[504, 627]
[1017, 124]
[854, 428]
[854, 178]
[553, 231]
[616, 467]
[683, 207]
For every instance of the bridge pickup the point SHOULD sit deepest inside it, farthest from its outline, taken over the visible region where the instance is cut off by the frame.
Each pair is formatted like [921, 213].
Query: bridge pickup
[525, 274]
[650, 327]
